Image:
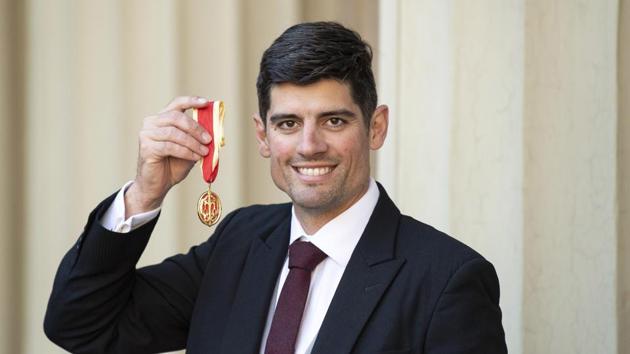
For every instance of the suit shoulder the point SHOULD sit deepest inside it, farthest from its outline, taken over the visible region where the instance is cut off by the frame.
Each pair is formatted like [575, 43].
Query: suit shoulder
[254, 220]
[419, 241]
[264, 213]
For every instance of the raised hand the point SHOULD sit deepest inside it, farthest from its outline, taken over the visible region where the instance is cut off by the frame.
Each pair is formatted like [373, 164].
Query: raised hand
[169, 145]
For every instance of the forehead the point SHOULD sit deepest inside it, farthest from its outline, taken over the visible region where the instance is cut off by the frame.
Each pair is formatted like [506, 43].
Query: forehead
[323, 95]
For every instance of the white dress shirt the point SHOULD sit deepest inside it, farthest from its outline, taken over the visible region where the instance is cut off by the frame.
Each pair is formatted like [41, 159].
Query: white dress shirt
[337, 239]
[114, 217]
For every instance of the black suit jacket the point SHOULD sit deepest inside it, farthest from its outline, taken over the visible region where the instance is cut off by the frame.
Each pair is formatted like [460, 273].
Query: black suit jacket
[407, 288]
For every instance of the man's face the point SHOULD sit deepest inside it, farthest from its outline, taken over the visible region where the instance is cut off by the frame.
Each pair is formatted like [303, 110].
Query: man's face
[319, 145]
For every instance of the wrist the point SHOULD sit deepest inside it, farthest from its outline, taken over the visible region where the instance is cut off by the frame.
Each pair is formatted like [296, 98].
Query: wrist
[139, 201]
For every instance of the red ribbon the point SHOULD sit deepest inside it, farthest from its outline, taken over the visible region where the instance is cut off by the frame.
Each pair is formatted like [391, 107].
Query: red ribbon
[208, 165]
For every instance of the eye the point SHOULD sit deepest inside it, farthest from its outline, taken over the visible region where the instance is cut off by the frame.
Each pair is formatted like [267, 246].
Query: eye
[287, 124]
[336, 122]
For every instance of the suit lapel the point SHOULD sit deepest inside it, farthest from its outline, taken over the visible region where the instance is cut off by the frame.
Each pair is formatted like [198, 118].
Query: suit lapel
[245, 326]
[370, 270]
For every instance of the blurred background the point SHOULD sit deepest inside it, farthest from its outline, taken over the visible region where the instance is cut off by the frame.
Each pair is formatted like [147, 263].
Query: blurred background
[510, 129]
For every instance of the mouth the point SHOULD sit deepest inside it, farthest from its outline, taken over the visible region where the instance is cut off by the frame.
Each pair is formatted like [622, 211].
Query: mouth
[314, 171]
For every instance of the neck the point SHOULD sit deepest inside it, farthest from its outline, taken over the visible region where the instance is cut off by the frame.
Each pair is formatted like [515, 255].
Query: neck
[313, 219]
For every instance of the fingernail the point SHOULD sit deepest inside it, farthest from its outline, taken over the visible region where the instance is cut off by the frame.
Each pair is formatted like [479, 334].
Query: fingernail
[201, 100]
[205, 137]
[204, 149]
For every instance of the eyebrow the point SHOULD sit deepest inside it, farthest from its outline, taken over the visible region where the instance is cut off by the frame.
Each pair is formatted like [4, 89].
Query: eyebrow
[337, 112]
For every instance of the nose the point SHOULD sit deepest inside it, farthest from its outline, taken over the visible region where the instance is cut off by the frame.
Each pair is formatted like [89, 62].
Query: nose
[312, 141]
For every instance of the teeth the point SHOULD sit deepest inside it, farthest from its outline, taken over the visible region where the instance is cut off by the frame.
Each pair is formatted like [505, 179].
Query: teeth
[314, 171]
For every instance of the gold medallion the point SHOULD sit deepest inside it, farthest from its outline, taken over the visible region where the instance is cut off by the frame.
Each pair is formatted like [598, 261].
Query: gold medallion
[209, 208]
[210, 118]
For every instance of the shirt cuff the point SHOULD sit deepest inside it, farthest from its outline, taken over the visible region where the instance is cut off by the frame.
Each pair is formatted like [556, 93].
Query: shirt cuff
[114, 218]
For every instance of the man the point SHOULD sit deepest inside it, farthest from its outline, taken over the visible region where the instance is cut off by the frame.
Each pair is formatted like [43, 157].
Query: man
[339, 270]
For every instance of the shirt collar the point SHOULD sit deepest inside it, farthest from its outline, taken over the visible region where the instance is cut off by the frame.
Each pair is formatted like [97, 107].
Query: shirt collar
[339, 236]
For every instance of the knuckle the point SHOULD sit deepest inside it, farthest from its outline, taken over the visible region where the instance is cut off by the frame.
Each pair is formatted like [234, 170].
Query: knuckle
[170, 132]
[170, 148]
[142, 137]
[188, 123]
[185, 123]
[184, 119]
[161, 148]
[180, 136]
[168, 116]
[181, 151]
[177, 117]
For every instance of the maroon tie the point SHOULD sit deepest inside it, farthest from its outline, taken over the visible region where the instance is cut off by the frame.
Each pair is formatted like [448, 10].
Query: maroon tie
[303, 258]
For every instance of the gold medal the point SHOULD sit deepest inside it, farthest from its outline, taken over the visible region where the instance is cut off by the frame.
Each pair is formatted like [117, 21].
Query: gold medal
[211, 119]
[209, 207]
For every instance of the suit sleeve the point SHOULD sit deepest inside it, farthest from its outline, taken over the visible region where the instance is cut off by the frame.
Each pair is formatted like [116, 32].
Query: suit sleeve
[467, 318]
[100, 302]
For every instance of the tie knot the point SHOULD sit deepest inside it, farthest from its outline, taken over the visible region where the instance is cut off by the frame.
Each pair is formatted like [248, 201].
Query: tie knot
[305, 255]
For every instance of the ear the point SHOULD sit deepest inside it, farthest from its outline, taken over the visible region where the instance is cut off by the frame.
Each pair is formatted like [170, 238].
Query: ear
[261, 136]
[378, 127]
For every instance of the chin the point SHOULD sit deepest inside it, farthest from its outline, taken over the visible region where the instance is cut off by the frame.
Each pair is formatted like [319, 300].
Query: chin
[313, 200]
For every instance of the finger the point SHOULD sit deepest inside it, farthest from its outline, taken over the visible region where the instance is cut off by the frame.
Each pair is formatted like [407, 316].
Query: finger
[183, 103]
[177, 136]
[184, 123]
[170, 149]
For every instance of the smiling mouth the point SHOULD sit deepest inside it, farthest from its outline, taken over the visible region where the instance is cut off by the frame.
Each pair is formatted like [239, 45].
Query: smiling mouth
[314, 171]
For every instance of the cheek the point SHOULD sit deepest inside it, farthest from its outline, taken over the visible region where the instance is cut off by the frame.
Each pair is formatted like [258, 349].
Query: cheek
[279, 158]
[357, 151]
[280, 150]
[277, 154]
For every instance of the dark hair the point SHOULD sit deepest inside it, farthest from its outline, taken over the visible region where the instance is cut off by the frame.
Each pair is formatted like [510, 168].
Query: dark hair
[308, 52]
